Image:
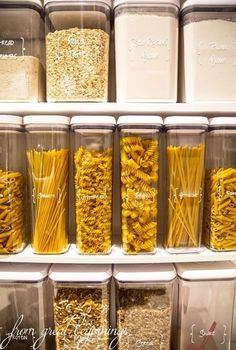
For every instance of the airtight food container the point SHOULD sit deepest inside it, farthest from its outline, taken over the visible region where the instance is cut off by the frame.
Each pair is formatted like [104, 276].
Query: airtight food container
[185, 154]
[206, 304]
[144, 305]
[208, 65]
[146, 50]
[220, 185]
[81, 305]
[22, 74]
[93, 165]
[12, 185]
[77, 50]
[47, 144]
[139, 177]
[23, 306]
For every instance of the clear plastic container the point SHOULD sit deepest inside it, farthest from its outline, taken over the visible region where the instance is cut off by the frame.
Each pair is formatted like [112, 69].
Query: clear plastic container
[139, 166]
[23, 306]
[208, 64]
[81, 306]
[77, 50]
[22, 73]
[48, 168]
[185, 152]
[144, 306]
[93, 165]
[220, 185]
[206, 304]
[12, 185]
[146, 49]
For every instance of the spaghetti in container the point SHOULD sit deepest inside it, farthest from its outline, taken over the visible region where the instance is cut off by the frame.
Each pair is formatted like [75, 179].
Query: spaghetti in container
[48, 168]
[220, 185]
[12, 185]
[185, 138]
[93, 167]
[139, 166]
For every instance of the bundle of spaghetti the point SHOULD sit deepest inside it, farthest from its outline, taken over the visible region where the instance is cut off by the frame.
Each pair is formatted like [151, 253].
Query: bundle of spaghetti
[11, 212]
[139, 176]
[93, 190]
[220, 209]
[186, 170]
[49, 172]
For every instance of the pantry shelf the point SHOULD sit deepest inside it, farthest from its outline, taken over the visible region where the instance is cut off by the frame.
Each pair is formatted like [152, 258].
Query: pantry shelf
[116, 109]
[116, 256]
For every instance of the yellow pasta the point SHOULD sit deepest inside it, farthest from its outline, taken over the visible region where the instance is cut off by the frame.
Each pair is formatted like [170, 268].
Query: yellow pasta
[49, 172]
[93, 187]
[11, 212]
[139, 176]
[220, 209]
[186, 169]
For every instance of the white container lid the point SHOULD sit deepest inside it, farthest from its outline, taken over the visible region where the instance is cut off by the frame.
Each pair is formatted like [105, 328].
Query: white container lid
[144, 272]
[140, 120]
[93, 120]
[146, 2]
[46, 119]
[206, 271]
[189, 3]
[222, 121]
[11, 272]
[36, 2]
[11, 119]
[107, 2]
[186, 121]
[80, 273]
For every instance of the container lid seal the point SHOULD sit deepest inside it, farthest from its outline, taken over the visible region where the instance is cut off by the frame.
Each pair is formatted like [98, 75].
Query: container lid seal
[11, 119]
[46, 119]
[107, 2]
[20, 272]
[148, 2]
[93, 120]
[186, 121]
[32, 2]
[222, 121]
[144, 273]
[140, 120]
[215, 3]
[80, 273]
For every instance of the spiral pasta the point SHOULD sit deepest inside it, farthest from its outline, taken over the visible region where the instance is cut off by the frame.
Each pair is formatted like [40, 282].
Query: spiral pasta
[139, 176]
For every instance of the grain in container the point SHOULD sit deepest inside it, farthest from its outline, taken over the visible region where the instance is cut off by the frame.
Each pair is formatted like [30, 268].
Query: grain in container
[208, 63]
[220, 185]
[81, 296]
[47, 144]
[12, 185]
[93, 169]
[146, 50]
[185, 154]
[23, 306]
[77, 50]
[206, 304]
[22, 73]
[144, 305]
[139, 176]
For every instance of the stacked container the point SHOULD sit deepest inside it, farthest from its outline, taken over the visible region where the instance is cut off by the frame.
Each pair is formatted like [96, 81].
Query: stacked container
[48, 168]
[93, 164]
[139, 163]
[77, 50]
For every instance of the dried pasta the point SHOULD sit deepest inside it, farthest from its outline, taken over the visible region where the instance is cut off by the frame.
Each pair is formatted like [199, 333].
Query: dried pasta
[139, 176]
[49, 172]
[220, 209]
[93, 187]
[186, 170]
[11, 212]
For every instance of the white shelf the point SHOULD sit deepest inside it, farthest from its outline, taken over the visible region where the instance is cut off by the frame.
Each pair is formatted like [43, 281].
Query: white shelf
[116, 109]
[116, 256]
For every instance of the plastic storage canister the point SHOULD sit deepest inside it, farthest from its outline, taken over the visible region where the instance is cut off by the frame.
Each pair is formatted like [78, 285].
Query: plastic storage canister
[77, 50]
[81, 306]
[48, 167]
[22, 73]
[144, 297]
[146, 45]
[220, 185]
[208, 65]
[206, 304]
[139, 164]
[93, 163]
[23, 307]
[12, 185]
[185, 168]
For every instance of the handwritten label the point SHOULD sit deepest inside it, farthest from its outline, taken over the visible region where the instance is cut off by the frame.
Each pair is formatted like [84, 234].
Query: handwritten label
[195, 335]
[213, 53]
[182, 194]
[88, 197]
[42, 195]
[12, 49]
